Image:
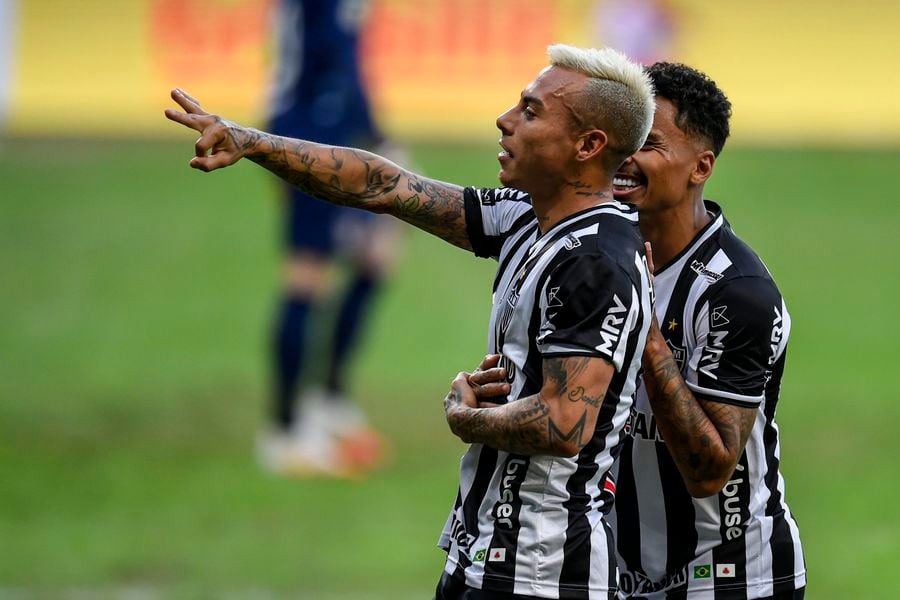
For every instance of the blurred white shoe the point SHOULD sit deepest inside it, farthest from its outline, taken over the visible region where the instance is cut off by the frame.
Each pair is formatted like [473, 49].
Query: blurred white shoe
[304, 453]
[332, 438]
[358, 445]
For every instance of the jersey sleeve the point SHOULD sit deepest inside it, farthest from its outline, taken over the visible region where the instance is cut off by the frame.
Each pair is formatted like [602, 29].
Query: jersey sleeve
[741, 330]
[589, 307]
[491, 214]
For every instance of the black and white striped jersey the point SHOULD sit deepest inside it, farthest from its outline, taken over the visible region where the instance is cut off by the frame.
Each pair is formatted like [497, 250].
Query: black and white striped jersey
[727, 326]
[535, 525]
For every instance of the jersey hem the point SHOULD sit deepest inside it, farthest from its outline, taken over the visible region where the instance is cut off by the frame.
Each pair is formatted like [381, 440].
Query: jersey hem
[451, 567]
[728, 587]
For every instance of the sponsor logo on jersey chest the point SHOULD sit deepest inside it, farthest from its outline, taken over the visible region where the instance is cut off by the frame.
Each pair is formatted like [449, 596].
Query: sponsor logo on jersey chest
[700, 269]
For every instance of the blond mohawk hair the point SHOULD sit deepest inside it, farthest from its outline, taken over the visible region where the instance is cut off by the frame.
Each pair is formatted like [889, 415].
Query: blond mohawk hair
[620, 97]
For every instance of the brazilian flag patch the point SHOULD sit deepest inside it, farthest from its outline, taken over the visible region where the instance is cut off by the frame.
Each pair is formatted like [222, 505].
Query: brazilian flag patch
[479, 556]
[702, 572]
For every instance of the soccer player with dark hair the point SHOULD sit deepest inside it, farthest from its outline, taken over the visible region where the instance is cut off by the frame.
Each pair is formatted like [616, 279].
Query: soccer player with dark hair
[700, 503]
[572, 304]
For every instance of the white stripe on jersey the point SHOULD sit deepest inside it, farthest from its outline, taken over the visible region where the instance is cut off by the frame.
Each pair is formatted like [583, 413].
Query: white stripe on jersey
[547, 536]
[536, 543]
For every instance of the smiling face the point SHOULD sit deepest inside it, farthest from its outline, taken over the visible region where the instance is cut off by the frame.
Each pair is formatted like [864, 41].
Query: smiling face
[667, 169]
[538, 134]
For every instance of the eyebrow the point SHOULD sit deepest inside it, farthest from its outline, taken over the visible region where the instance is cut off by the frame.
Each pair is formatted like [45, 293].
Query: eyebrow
[533, 101]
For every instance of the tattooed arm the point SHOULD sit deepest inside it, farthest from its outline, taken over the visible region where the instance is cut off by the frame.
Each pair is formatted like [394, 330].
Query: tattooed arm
[705, 437]
[559, 420]
[344, 176]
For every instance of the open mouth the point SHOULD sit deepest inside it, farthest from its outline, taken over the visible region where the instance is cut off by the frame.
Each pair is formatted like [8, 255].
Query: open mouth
[504, 153]
[626, 185]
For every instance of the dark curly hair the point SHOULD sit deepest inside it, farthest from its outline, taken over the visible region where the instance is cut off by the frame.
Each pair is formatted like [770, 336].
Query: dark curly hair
[702, 108]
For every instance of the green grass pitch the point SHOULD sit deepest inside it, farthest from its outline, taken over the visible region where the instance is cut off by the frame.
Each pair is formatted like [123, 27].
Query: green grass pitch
[134, 302]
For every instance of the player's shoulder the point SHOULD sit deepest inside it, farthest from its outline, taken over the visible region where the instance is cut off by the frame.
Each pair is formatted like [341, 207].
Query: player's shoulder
[616, 235]
[606, 241]
[735, 269]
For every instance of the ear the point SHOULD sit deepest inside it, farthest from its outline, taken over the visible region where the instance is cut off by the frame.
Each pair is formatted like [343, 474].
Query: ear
[703, 169]
[591, 144]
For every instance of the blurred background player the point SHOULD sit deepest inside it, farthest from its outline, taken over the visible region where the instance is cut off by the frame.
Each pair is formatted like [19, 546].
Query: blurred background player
[319, 95]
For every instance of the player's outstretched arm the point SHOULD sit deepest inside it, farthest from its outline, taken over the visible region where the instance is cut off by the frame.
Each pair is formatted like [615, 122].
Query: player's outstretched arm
[344, 176]
[559, 420]
[705, 437]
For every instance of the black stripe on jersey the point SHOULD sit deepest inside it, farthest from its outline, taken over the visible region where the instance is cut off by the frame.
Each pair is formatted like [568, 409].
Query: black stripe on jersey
[462, 560]
[487, 463]
[611, 567]
[627, 512]
[505, 514]
[734, 514]
[576, 567]
[681, 535]
[781, 543]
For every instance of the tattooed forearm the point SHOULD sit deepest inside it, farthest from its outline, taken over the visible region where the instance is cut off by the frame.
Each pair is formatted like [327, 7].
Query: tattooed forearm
[557, 421]
[524, 427]
[360, 179]
[705, 438]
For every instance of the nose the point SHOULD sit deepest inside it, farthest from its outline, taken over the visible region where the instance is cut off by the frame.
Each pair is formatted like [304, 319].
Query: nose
[504, 122]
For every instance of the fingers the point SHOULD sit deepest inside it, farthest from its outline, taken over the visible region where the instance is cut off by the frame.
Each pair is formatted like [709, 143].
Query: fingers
[193, 117]
[489, 361]
[185, 119]
[460, 381]
[495, 375]
[212, 162]
[187, 102]
[649, 250]
[489, 383]
[463, 391]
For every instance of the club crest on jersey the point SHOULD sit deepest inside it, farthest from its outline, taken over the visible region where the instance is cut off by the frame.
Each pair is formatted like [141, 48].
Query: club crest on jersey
[678, 353]
[700, 269]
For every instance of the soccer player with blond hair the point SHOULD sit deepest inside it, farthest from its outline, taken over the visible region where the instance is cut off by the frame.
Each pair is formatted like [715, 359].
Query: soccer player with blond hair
[572, 308]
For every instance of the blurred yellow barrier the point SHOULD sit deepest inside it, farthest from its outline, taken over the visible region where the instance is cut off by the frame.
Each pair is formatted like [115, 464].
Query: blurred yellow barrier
[805, 71]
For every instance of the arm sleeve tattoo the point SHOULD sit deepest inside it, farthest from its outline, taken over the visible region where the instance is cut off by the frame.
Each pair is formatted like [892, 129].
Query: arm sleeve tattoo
[705, 437]
[559, 420]
[360, 179]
